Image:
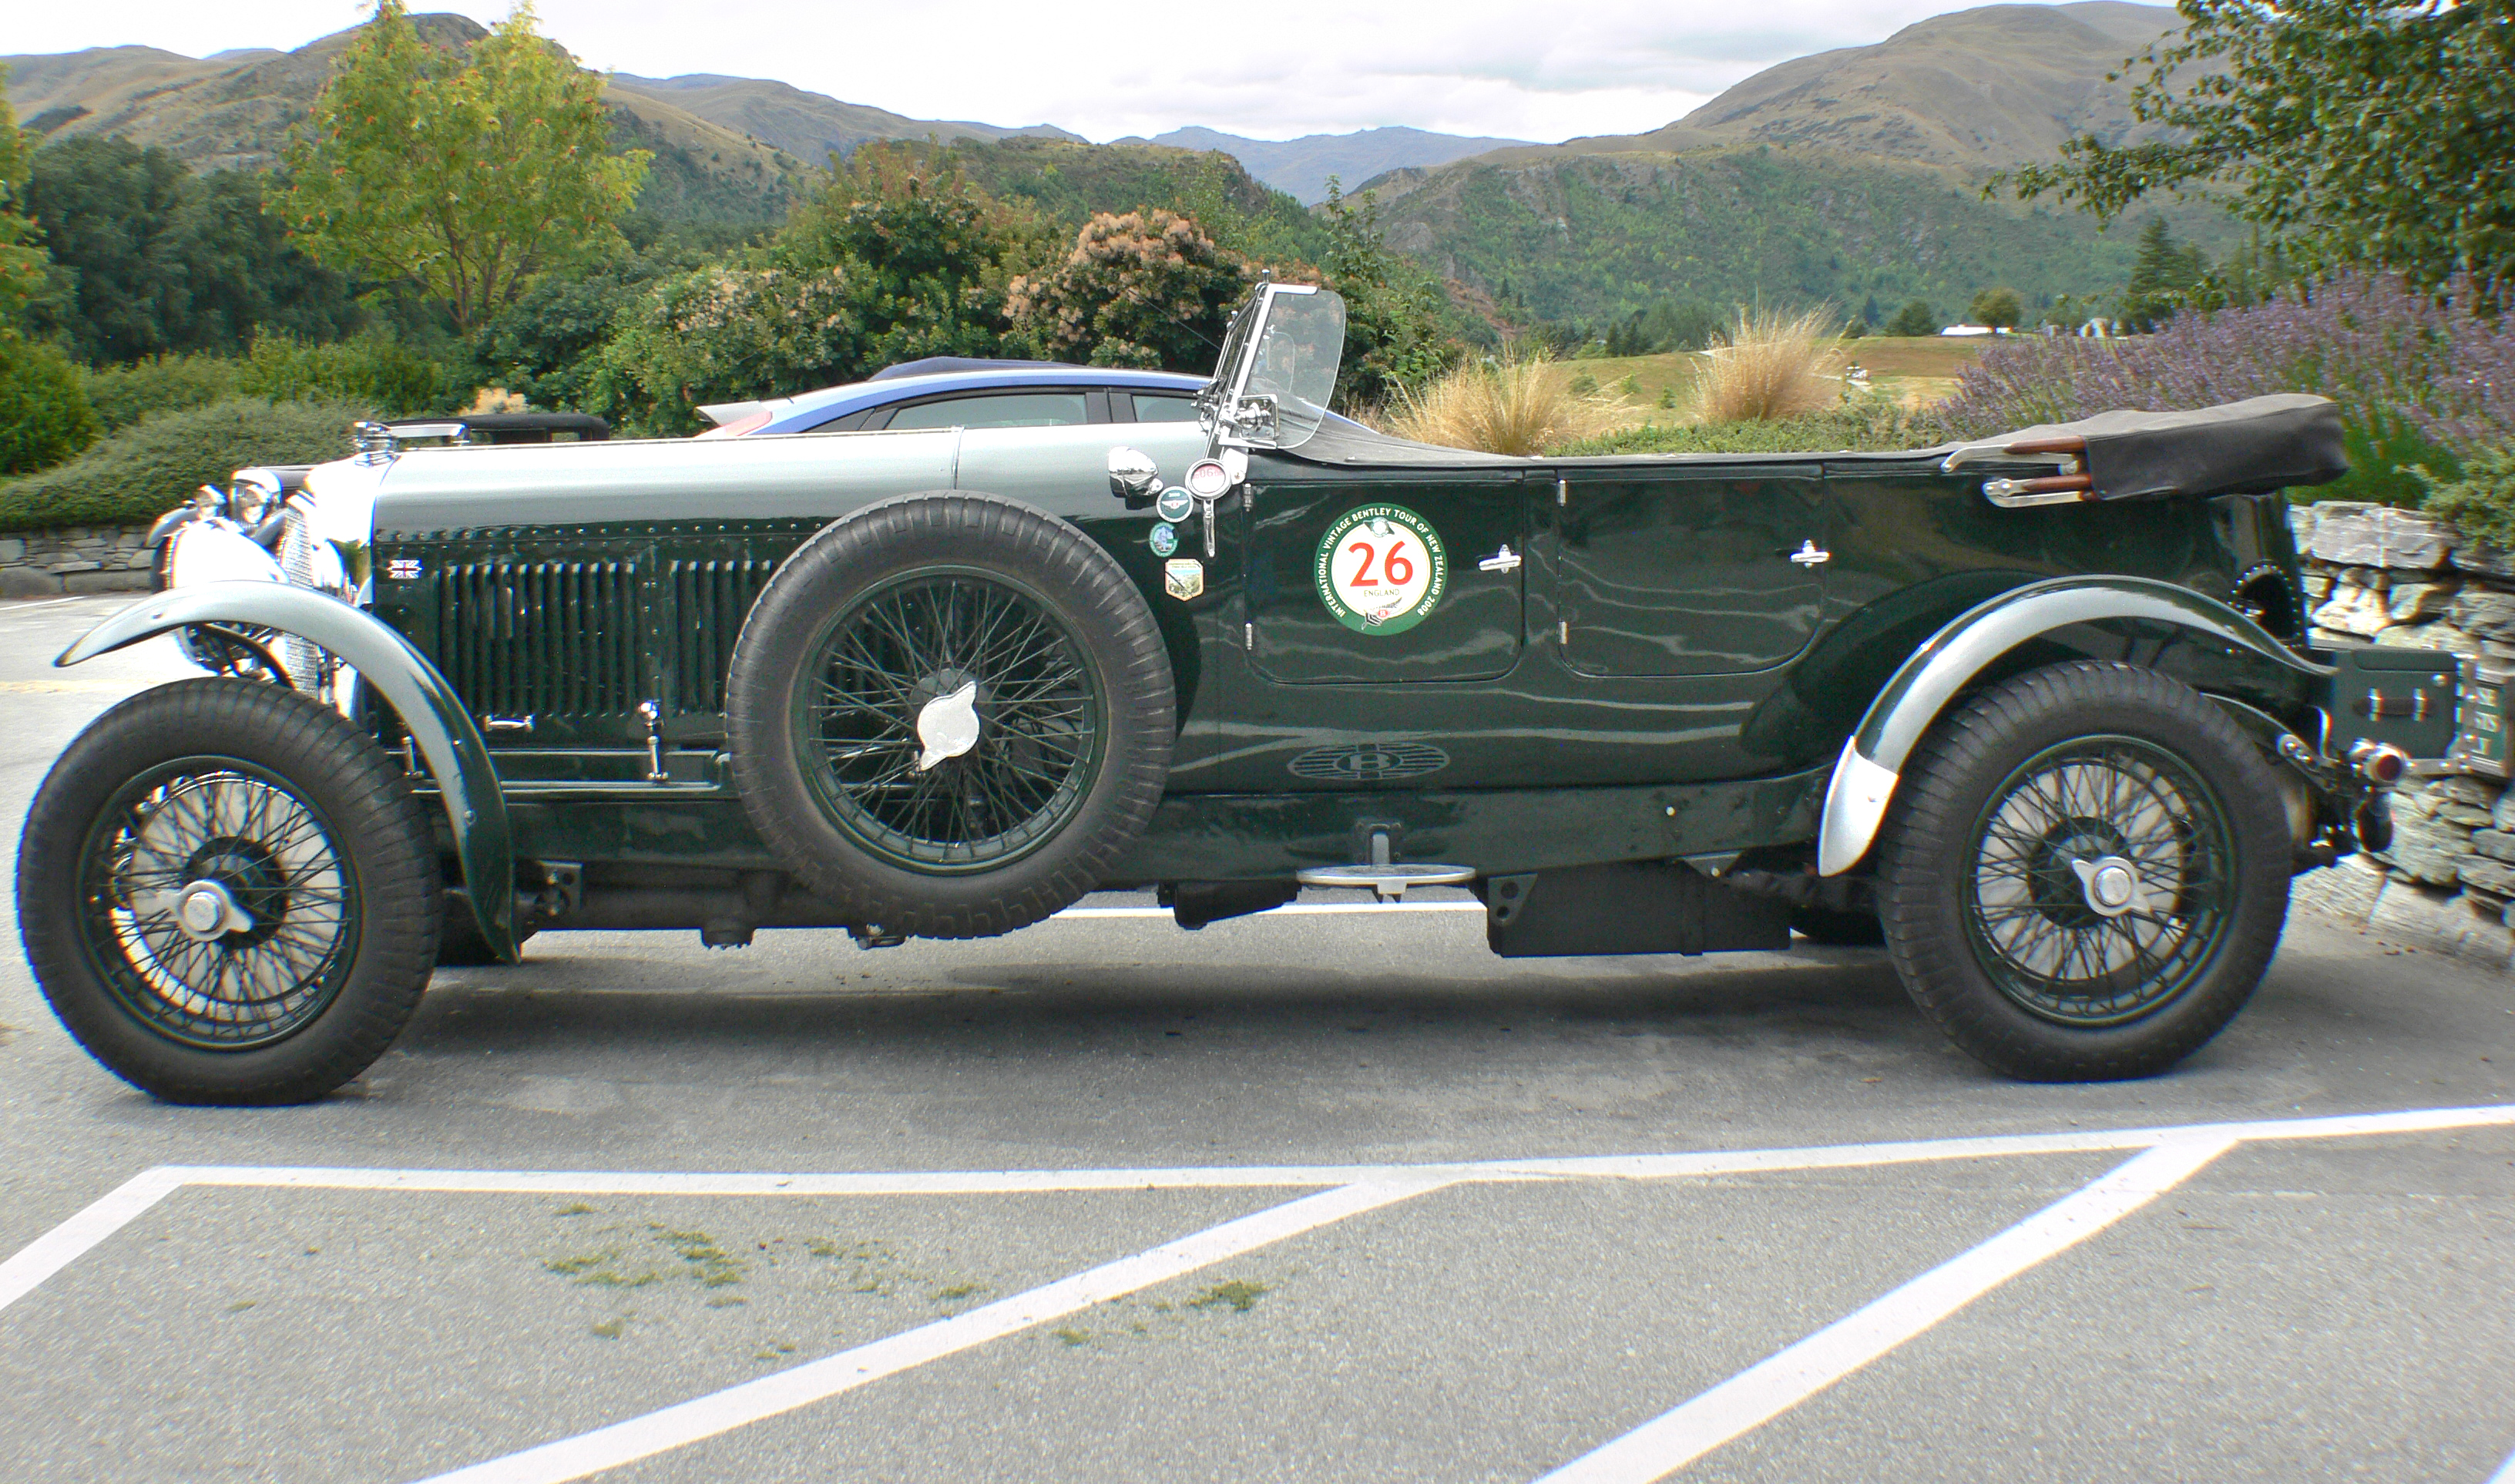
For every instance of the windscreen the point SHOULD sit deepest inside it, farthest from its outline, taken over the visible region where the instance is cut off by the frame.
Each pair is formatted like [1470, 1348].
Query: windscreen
[1297, 350]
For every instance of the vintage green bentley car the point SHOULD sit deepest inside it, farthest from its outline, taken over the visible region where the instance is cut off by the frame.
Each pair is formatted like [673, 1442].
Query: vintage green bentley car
[2035, 710]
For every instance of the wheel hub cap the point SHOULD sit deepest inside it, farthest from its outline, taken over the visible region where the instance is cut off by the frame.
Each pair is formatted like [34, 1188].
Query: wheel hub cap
[2112, 886]
[947, 726]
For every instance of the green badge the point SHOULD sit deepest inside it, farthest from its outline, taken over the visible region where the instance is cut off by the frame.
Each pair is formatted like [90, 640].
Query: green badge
[1380, 569]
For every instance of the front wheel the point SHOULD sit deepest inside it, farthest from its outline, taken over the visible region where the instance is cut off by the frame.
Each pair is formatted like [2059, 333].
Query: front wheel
[229, 894]
[2085, 874]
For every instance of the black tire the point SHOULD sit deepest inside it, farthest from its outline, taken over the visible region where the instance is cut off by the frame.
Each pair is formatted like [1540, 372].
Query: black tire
[882, 621]
[2000, 913]
[1834, 927]
[314, 840]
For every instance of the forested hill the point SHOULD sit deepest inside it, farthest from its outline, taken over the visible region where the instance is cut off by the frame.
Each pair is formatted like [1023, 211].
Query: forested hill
[1591, 237]
[1853, 177]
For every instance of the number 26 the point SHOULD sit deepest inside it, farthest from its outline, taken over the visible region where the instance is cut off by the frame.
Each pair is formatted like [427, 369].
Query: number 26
[1396, 570]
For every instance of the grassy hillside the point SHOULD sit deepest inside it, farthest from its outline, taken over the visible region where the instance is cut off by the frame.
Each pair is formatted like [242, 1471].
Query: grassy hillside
[810, 126]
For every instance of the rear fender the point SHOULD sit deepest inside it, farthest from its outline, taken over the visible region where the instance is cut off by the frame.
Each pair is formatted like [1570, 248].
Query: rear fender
[2215, 647]
[430, 710]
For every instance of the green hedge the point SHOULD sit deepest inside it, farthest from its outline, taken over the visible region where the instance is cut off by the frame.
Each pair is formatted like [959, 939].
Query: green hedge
[44, 418]
[146, 471]
[1870, 423]
[124, 395]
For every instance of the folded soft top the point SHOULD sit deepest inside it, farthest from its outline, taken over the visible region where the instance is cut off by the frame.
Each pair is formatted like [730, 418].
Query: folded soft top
[2263, 443]
[2266, 442]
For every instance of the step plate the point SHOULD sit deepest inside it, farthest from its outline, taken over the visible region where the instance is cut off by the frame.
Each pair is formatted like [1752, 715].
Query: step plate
[1387, 883]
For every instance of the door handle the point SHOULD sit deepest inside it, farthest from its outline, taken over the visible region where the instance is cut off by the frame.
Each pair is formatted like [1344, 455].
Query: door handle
[1807, 555]
[1503, 561]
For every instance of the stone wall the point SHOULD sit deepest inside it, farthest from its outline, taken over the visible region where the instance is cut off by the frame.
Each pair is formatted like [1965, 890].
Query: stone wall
[80, 559]
[2398, 579]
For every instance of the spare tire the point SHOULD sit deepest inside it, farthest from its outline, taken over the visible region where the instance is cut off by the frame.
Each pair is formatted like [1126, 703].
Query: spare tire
[950, 713]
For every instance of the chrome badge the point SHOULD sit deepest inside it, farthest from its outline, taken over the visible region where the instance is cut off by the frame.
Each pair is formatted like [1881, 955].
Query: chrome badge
[1183, 578]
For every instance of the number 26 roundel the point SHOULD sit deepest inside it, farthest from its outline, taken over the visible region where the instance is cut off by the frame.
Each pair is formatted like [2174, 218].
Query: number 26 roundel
[1380, 569]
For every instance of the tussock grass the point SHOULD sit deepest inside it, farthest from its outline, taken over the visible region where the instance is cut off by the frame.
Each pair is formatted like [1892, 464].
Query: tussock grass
[1770, 365]
[1514, 406]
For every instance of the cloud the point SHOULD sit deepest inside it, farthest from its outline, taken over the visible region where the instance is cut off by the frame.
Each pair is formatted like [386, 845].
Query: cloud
[1511, 67]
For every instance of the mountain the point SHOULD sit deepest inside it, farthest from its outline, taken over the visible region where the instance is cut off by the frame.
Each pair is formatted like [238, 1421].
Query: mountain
[1851, 176]
[810, 126]
[1968, 92]
[725, 147]
[1300, 167]
[234, 114]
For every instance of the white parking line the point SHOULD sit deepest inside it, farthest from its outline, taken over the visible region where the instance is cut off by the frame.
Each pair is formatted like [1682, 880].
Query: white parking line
[1737, 1405]
[724, 1411]
[1765, 1391]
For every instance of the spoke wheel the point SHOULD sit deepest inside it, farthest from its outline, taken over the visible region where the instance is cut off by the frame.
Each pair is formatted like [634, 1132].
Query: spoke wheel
[217, 833]
[229, 893]
[2084, 873]
[2044, 939]
[898, 658]
[951, 715]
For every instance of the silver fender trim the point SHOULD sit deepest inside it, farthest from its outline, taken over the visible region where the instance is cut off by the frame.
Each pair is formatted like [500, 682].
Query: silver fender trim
[1873, 759]
[474, 807]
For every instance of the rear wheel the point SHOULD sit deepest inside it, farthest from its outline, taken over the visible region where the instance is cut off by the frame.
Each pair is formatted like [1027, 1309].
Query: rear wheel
[2084, 873]
[229, 894]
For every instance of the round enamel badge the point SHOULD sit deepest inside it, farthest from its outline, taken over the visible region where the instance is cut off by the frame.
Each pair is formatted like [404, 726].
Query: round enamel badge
[1380, 569]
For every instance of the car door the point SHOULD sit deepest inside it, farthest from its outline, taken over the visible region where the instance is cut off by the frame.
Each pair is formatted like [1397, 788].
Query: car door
[1388, 578]
[1672, 572]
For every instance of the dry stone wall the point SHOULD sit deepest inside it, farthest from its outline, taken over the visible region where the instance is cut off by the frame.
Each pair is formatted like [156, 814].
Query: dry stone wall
[78, 559]
[2375, 575]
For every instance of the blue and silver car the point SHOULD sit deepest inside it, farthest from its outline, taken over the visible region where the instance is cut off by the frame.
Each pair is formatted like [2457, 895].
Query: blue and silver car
[951, 392]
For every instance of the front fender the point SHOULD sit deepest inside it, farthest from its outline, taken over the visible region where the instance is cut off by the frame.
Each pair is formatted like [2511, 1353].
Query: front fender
[1873, 757]
[430, 710]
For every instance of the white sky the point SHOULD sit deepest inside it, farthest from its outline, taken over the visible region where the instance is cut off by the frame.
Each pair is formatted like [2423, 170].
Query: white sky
[1518, 68]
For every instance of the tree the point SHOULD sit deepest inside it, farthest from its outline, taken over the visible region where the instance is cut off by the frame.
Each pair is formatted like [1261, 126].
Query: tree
[1392, 327]
[2366, 132]
[1143, 289]
[2163, 278]
[153, 259]
[1999, 308]
[1913, 319]
[23, 262]
[470, 177]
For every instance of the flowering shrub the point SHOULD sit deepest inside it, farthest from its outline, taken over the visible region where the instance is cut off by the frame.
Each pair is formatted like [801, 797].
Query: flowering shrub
[2419, 379]
[1146, 289]
[723, 334]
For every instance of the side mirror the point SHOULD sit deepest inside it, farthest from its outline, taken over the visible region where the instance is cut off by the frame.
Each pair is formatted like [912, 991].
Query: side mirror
[1134, 476]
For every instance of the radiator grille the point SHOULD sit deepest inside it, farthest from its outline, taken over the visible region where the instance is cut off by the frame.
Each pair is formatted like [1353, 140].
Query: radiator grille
[543, 637]
[709, 602]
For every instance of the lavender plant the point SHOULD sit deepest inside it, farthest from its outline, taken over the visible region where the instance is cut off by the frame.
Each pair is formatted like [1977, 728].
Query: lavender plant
[2420, 379]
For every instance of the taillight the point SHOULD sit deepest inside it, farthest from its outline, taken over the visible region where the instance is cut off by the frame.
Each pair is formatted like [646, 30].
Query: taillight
[741, 425]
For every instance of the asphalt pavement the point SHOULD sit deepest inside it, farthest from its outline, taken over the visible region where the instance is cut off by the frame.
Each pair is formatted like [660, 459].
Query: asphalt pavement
[1324, 1194]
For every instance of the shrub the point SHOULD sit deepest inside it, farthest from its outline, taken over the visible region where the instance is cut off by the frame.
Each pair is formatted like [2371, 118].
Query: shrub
[148, 470]
[2421, 380]
[371, 370]
[2482, 500]
[1146, 289]
[124, 395]
[1768, 366]
[43, 415]
[1516, 406]
[1999, 308]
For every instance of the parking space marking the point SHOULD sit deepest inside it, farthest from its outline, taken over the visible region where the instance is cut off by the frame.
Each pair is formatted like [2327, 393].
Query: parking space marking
[719, 1412]
[1772, 1386]
[2506, 1473]
[57, 1248]
[2164, 1156]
